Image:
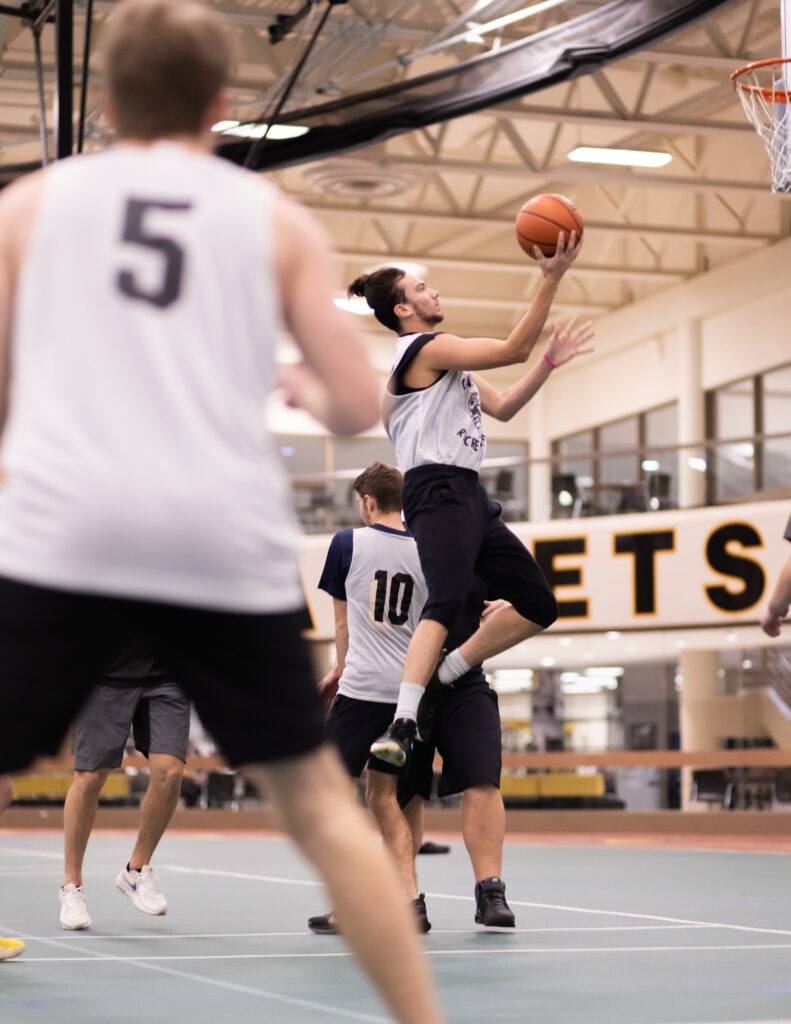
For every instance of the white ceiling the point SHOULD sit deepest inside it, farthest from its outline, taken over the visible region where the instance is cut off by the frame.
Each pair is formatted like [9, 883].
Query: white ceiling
[446, 197]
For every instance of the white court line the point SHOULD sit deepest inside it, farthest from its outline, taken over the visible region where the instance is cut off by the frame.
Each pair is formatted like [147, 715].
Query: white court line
[96, 957]
[102, 958]
[31, 853]
[81, 937]
[514, 903]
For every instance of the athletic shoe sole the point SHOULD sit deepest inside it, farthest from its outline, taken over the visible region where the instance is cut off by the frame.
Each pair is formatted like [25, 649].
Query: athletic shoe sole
[390, 753]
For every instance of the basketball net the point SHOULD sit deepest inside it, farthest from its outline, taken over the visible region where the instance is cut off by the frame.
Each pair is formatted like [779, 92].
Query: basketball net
[763, 89]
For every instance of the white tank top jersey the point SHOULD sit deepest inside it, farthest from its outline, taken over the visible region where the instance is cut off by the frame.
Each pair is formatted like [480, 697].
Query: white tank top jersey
[385, 592]
[438, 424]
[137, 459]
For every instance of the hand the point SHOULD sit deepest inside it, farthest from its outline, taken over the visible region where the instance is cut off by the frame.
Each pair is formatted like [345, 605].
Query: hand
[490, 607]
[569, 342]
[328, 688]
[302, 389]
[554, 267]
[770, 622]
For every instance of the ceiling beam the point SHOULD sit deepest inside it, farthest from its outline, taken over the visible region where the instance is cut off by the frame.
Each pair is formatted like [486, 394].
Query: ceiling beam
[371, 256]
[506, 223]
[576, 174]
[602, 119]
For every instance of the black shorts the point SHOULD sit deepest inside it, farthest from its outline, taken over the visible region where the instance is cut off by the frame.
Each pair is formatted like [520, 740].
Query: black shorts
[249, 675]
[467, 736]
[460, 535]
[353, 725]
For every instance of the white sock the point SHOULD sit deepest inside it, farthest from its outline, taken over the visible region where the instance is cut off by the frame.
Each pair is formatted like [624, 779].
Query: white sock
[453, 667]
[409, 696]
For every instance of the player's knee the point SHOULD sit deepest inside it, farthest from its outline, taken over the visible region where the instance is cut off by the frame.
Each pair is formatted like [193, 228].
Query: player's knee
[89, 782]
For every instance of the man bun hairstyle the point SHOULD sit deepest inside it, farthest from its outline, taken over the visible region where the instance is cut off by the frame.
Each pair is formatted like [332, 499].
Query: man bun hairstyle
[382, 290]
[383, 483]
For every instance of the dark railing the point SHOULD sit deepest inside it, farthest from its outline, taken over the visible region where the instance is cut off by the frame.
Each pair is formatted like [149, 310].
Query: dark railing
[734, 469]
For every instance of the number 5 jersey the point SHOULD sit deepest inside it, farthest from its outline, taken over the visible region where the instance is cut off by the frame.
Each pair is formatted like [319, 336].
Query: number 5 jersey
[137, 457]
[376, 571]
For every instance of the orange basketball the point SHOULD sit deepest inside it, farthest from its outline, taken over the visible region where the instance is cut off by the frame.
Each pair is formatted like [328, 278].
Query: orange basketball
[543, 218]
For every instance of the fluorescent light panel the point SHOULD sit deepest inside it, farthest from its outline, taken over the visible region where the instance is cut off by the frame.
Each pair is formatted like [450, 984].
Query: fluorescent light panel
[254, 130]
[621, 157]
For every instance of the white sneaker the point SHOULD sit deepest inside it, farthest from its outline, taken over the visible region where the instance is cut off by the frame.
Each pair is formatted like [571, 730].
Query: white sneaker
[143, 890]
[73, 907]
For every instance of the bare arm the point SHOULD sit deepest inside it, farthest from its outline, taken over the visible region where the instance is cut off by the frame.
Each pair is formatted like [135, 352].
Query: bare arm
[449, 352]
[328, 686]
[337, 383]
[18, 208]
[563, 346]
[779, 602]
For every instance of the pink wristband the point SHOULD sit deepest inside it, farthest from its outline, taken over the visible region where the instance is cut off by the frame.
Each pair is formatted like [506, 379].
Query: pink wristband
[552, 365]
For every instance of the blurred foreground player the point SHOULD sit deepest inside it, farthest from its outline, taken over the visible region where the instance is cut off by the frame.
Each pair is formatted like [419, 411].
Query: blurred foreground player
[140, 292]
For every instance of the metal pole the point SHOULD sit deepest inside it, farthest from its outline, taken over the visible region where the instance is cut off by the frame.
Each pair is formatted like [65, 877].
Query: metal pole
[42, 106]
[86, 57]
[64, 58]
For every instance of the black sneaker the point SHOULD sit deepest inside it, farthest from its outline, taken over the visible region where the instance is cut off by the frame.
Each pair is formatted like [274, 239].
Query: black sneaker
[423, 922]
[490, 906]
[394, 746]
[429, 847]
[324, 924]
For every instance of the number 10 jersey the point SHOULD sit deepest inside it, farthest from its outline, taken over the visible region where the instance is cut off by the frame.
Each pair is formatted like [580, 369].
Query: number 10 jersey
[376, 571]
[137, 458]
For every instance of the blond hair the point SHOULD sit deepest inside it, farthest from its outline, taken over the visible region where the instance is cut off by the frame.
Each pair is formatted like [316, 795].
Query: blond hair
[165, 62]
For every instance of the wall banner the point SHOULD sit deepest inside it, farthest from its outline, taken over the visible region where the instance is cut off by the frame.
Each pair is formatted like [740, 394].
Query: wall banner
[691, 567]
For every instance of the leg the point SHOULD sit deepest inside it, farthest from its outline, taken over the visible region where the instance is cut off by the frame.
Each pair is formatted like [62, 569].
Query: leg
[9, 948]
[413, 812]
[311, 794]
[503, 630]
[79, 815]
[380, 792]
[424, 651]
[483, 828]
[6, 792]
[157, 807]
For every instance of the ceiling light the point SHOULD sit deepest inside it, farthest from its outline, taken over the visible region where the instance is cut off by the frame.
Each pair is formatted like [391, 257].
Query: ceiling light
[621, 157]
[695, 463]
[256, 130]
[565, 641]
[415, 269]
[650, 465]
[354, 304]
[612, 634]
[547, 662]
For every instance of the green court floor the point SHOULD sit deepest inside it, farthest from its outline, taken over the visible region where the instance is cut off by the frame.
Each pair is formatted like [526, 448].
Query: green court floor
[605, 935]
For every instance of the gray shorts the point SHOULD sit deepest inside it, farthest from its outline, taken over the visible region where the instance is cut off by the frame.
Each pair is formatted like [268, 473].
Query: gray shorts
[158, 712]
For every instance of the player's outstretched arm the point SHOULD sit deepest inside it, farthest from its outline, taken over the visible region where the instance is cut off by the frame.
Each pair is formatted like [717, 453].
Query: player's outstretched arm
[337, 384]
[779, 602]
[564, 345]
[449, 352]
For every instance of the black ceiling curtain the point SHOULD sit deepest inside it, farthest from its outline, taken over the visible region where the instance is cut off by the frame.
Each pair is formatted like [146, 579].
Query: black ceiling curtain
[560, 53]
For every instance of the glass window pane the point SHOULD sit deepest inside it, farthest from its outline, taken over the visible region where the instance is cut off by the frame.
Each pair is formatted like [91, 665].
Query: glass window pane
[734, 410]
[777, 463]
[507, 483]
[661, 425]
[777, 401]
[619, 469]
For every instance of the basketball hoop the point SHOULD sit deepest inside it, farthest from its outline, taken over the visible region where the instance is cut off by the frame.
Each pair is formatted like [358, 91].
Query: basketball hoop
[763, 88]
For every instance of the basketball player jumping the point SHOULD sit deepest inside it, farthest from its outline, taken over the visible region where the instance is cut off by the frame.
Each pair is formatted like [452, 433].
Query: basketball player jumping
[140, 293]
[433, 410]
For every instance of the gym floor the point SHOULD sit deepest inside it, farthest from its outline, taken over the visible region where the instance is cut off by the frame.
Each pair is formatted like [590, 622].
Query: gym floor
[617, 931]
